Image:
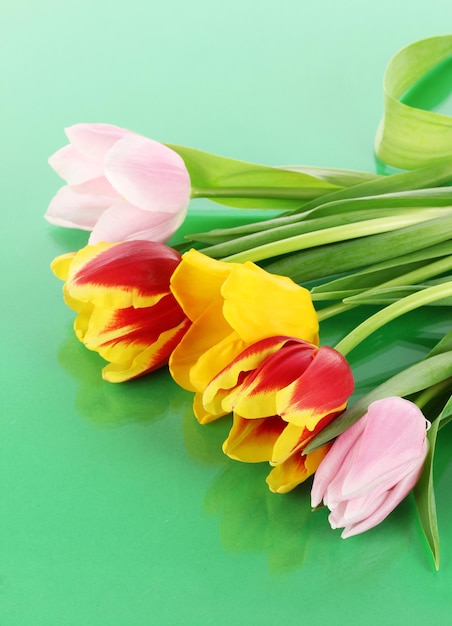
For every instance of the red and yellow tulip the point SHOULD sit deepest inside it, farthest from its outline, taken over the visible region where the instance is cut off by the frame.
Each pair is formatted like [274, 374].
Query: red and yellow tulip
[282, 391]
[231, 306]
[126, 311]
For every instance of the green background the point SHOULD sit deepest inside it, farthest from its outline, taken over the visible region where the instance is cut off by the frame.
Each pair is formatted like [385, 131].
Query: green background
[116, 507]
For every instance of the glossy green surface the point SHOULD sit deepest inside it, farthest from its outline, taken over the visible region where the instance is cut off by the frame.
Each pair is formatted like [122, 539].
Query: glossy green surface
[116, 507]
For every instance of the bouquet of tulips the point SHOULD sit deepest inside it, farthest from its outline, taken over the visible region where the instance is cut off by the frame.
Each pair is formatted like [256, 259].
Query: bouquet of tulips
[237, 312]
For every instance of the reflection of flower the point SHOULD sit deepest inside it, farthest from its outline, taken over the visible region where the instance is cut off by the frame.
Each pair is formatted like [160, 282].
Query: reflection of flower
[372, 466]
[121, 185]
[126, 312]
[117, 405]
[231, 306]
[282, 392]
[253, 520]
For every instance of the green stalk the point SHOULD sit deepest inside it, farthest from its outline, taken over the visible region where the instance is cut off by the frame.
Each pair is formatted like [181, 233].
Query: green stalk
[433, 176]
[344, 256]
[391, 312]
[334, 309]
[331, 235]
[413, 278]
[274, 193]
[301, 226]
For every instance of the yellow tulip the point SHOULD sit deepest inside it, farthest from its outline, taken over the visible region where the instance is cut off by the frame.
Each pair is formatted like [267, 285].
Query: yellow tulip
[231, 306]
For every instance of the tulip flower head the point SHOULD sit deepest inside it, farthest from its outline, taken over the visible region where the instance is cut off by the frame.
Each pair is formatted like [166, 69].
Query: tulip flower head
[126, 311]
[231, 306]
[282, 391]
[372, 466]
[120, 185]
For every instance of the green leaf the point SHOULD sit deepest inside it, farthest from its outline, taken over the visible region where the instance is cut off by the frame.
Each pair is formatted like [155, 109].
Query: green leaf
[446, 414]
[445, 345]
[411, 198]
[422, 375]
[437, 174]
[361, 281]
[385, 297]
[409, 137]
[344, 256]
[343, 232]
[247, 237]
[380, 273]
[391, 312]
[247, 185]
[335, 176]
[424, 496]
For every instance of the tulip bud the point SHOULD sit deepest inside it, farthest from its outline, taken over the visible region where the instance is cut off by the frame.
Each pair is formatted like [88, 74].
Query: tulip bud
[372, 466]
[126, 311]
[121, 186]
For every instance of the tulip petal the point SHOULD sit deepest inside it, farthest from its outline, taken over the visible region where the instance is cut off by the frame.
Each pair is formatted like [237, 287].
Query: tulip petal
[309, 398]
[252, 441]
[334, 461]
[135, 341]
[189, 363]
[257, 396]
[296, 469]
[202, 415]
[74, 166]
[94, 140]
[124, 222]
[81, 206]
[258, 304]
[149, 358]
[148, 174]
[218, 395]
[61, 265]
[207, 274]
[119, 275]
[392, 499]
[393, 438]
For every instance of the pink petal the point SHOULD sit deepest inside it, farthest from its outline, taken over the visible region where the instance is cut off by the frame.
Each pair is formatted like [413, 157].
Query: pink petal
[124, 222]
[74, 167]
[393, 498]
[334, 461]
[94, 140]
[148, 174]
[80, 206]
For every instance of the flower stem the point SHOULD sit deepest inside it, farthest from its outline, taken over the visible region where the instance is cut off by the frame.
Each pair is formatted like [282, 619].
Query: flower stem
[379, 319]
[334, 309]
[330, 235]
[286, 193]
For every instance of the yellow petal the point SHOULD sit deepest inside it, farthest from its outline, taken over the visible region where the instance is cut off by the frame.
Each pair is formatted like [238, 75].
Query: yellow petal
[259, 304]
[290, 440]
[223, 391]
[296, 469]
[203, 416]
[252, 441]
[197, 281]
[130, 361]
[60, 265]
[210, 329]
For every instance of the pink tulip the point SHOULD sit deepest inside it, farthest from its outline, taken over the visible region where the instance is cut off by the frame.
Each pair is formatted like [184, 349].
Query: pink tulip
[372, 466]
[120, 185]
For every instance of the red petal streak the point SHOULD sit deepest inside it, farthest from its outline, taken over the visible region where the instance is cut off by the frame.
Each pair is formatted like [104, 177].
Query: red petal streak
[142, 326]
[143, 266]
[231, 377]
[323, 388]
[257, 396]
